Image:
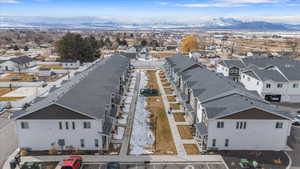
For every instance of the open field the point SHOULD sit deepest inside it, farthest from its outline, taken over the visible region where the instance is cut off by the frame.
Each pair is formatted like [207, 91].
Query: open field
[164, 143]
[179, 117]
[172, 98]
[191, 149]
[185, 132]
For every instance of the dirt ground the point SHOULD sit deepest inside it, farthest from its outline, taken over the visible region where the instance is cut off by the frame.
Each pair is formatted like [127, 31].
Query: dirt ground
[179, 117]
[18, 77]
[175, 106]
[172, 98]
[191, 149]
[163, 136]
[185, 132]
[11, 98]
[4, 90]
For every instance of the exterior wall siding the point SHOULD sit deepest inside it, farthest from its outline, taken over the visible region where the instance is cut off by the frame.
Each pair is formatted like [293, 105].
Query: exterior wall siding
[42, 133]
[253, 137]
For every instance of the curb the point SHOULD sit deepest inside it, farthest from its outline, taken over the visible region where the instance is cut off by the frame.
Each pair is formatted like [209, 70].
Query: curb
[290, 160]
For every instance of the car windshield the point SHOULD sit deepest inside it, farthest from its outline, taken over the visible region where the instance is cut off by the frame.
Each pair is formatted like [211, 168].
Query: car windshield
[66, 167]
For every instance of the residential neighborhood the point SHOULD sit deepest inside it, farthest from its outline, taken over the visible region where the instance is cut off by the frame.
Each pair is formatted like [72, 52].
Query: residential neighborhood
[149, 85]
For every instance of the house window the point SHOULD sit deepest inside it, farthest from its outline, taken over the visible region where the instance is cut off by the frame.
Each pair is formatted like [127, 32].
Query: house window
[226, 142]
[257, 83]
[60, 125]
[96, 143]
[279, 85]
[214, 141]
[241, 125]
[24, 125]
[82, 143]
[67, 125]
[279, 125]
[268, 85]
[220, 124]
[73, 125]
[86, 125]
[248, 79]
[295, 85]
[243, 76]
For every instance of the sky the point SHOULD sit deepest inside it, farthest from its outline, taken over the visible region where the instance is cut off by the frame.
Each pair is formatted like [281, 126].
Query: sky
[287, 11]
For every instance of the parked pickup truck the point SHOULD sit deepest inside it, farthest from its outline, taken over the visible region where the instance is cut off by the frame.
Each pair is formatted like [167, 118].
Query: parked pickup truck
[73, 162]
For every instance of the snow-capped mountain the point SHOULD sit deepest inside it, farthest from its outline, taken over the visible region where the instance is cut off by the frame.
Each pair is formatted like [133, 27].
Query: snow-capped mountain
[10, 22]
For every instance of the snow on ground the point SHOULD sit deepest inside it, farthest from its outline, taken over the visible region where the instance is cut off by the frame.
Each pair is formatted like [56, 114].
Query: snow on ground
[124, 119]
[142, 135]
[119, 134]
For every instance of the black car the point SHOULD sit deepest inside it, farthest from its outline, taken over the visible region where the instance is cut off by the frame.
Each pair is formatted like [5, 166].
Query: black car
[113, 165]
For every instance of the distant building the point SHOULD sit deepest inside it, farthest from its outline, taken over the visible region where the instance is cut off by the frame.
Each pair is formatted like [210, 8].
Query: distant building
[17, 64]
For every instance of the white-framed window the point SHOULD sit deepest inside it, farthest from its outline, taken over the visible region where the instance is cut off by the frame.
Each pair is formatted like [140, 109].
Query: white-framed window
[60, 126]
[226, 142]
[214, 142]
[248, 78]
[220, 124]
[86, 125]
[279, 125]
[295, 85]
[241, 125]
[73, 125]
[279, 85]
[24, 125]
[96, 143]
[67, 125]
[82, 145]
[257, 83]
[268, 85]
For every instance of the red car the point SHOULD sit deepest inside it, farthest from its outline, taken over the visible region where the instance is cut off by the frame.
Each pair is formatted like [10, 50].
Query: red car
[73, 162]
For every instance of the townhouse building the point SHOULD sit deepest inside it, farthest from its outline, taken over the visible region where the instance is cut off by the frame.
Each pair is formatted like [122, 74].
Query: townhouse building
[81, 114]
[274, 79]
[225, 115]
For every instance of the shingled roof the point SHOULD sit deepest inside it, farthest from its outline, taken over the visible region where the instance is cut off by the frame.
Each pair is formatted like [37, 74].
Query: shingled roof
[88, 92]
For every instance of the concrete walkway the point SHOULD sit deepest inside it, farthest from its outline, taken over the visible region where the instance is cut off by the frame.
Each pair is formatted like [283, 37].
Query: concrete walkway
[175, 133]
[127, 134]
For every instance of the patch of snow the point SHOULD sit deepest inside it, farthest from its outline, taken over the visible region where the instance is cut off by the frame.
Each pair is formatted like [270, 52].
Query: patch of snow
[142, 135]
[124, 119]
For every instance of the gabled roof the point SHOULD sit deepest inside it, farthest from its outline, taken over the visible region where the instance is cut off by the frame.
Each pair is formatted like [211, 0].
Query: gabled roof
[233, 63]
[88, 92]
[265, 75]
[180, 62]
[22, 59]
[235, 103]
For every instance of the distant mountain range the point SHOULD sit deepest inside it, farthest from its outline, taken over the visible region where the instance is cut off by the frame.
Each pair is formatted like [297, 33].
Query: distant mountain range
[12, 22]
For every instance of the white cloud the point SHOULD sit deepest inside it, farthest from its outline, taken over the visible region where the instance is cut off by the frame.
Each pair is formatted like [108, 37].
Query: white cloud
[9, 1]
[163, 3]
[227, 3]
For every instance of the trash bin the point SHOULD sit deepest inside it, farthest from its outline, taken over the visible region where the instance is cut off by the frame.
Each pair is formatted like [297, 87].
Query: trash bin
[12, 164]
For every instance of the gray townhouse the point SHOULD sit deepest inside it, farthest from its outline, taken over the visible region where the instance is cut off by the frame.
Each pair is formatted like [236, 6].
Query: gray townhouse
[81, 114]
[225, 115]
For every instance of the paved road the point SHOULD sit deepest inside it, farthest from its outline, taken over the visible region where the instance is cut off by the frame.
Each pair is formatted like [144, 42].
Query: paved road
[295, 155]
[126, 140]
[161, 166]
[8, 140]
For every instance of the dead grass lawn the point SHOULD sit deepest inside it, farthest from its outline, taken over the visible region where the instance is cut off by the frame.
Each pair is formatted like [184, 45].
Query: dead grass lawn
[185, 132]
[168, 90]
[191, 149]
[172, 98]
[175, 106]
[5, 90]
[179, 117]
[164, 140]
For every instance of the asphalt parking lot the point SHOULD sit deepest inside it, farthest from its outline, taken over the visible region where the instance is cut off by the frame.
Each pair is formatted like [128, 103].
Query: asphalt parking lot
[159, 166]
